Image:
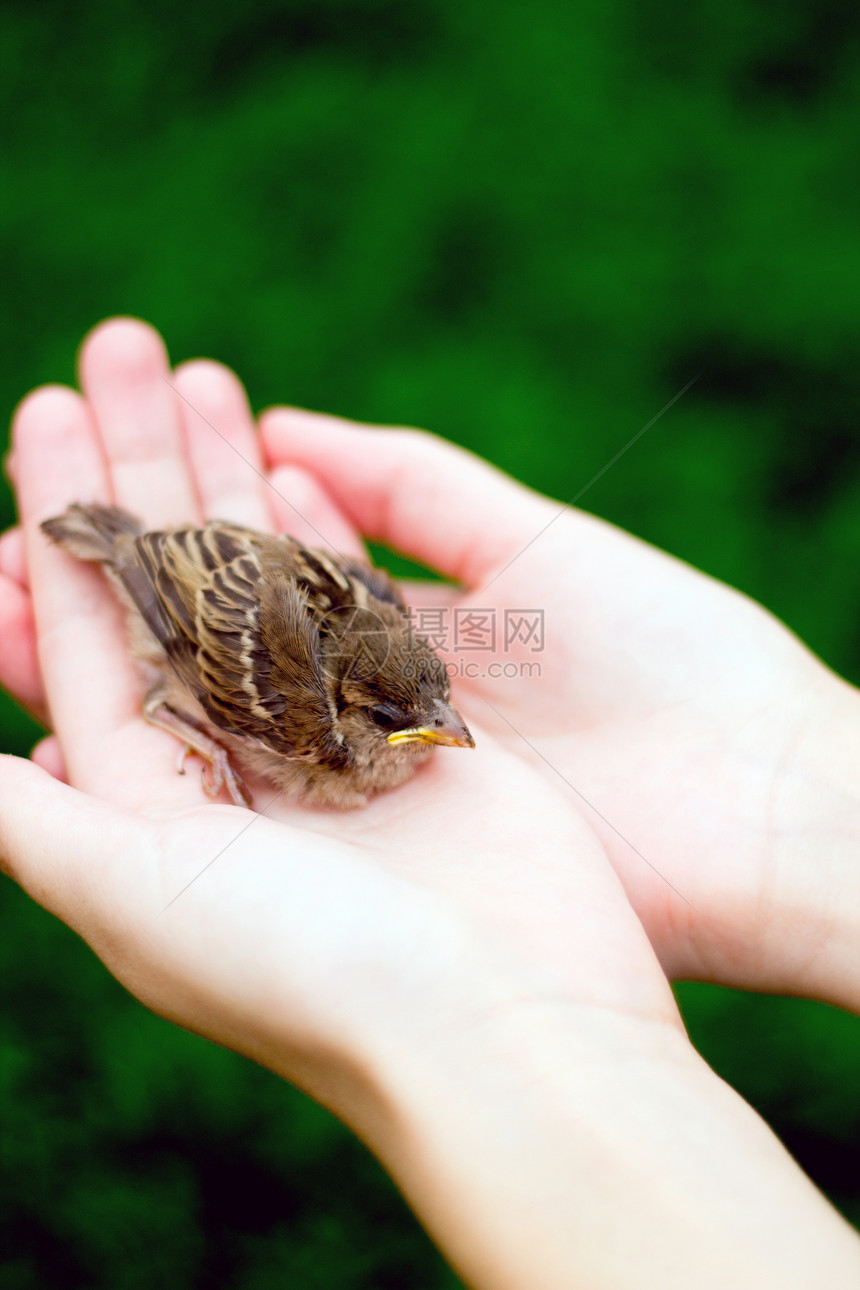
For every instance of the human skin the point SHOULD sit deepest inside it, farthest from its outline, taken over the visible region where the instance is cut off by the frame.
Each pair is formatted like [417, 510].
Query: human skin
[709, 750]
[455, 970]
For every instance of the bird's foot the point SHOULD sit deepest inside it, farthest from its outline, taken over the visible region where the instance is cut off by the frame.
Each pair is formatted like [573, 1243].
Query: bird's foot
[218, 771]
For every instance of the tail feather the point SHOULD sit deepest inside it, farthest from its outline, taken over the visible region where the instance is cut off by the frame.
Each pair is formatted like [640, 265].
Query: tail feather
[91, 532]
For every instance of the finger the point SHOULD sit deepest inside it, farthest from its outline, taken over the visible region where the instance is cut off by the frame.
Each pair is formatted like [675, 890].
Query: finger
[303, 509]
[48, 755]
[223, 446]
[19, 658]
[437, 503]
[125, 374]
[13, 559]
[88, 680]
[429, 595]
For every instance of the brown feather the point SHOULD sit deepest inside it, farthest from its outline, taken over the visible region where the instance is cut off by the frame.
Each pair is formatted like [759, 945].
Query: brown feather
[281, 651]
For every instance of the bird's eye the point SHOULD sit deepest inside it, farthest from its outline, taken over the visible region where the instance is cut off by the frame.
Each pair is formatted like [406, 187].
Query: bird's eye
[386, 716]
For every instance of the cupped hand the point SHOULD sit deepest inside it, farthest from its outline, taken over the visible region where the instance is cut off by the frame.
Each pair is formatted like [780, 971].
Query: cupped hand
[286, 933]
[690, 727]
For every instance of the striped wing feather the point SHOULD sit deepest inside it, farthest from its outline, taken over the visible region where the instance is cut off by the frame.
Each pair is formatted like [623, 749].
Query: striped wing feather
[237, 625]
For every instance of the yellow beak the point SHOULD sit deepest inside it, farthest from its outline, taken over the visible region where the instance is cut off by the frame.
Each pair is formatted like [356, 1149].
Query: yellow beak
[445, 727]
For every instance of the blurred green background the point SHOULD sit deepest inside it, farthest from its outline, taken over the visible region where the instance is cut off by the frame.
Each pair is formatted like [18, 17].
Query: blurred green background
[525, 226]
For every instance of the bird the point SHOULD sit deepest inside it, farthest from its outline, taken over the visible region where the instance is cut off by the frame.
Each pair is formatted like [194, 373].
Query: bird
[268, 657]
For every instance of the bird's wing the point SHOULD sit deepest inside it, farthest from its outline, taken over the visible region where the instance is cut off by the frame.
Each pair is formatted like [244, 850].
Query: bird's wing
[336, 582]
[238, 630]
[376, 581]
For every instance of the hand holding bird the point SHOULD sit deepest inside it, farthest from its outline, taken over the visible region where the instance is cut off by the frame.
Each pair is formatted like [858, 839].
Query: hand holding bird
[454, 970]
[292, 929]
[703, 741]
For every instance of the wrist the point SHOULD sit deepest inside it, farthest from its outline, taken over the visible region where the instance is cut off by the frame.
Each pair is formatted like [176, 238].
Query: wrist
[557, 1144]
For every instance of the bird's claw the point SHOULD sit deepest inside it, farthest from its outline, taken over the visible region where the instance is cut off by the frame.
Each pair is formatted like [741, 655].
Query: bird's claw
[218, 773]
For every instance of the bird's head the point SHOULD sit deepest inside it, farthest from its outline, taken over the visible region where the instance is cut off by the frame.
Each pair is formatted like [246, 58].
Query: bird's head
[390, 689]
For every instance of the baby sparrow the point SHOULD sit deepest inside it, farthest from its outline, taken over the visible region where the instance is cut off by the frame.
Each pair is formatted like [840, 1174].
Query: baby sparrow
[297, 664]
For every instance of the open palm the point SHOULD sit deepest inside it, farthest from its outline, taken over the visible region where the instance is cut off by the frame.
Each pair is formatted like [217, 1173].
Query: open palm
[288, 926]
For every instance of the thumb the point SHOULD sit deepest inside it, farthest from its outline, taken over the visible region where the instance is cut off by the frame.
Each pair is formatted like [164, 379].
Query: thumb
[60, 845]
[412, 490]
